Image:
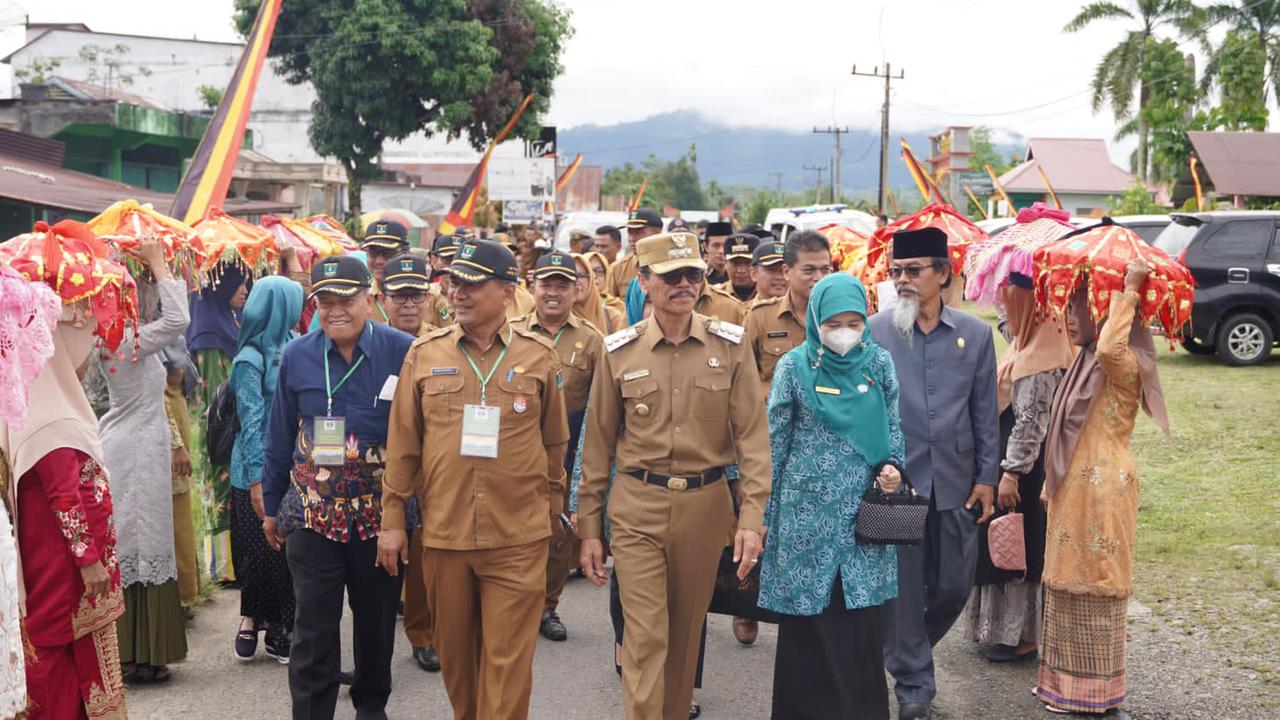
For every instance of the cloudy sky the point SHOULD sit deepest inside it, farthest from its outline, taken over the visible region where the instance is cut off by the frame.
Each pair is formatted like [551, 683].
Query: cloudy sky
[786, 64]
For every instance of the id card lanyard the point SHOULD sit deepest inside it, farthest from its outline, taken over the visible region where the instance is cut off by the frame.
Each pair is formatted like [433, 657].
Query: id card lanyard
[329, 390]
[484, 379]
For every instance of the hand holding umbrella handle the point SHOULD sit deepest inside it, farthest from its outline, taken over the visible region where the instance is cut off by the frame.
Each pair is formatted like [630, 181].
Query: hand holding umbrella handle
[1135, 273]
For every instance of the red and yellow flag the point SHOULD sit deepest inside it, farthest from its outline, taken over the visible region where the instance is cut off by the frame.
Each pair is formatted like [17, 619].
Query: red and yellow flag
[924, 182]
[567, 175]
[635, 201]
[465, 206]
[205, 183]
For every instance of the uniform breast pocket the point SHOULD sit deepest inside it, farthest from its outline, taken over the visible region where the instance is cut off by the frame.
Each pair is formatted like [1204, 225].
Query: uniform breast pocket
[442, 395]
[521, 395]
[312, 401]
[640, 399]
[711, 397]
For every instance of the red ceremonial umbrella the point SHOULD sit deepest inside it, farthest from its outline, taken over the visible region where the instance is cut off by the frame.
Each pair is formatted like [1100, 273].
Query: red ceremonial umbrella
[960, 230]
[1100, 256]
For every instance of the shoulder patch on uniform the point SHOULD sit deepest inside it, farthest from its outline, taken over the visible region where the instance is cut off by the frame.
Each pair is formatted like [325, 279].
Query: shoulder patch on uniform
[536, 337]
[727, 330]
[435, 333]
[620, 338]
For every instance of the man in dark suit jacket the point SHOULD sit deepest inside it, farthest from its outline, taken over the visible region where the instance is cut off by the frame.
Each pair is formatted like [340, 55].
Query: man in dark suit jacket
[946, 367]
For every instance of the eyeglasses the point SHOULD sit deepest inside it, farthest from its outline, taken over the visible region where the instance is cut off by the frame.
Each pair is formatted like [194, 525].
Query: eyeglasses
[693, 275]
[408, 298]
[912, 271]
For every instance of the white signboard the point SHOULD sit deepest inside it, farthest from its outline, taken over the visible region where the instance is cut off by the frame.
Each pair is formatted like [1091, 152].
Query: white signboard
[521, 212]
[512, 178]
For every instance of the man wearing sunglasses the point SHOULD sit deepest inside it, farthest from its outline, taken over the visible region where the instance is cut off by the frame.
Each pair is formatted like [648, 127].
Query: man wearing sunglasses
[682, 387]
[946, 368]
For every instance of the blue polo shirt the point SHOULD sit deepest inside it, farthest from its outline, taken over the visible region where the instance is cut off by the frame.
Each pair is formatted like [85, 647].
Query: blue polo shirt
[331, 501]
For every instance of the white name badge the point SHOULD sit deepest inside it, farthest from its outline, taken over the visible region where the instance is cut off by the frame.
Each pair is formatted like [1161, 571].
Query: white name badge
[329, 436]
[480, 431]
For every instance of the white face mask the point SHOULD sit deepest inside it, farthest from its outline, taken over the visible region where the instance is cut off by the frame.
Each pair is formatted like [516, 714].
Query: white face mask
[840, 340]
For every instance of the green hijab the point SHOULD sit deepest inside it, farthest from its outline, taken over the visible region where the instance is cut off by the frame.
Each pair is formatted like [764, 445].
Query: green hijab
[840, 389]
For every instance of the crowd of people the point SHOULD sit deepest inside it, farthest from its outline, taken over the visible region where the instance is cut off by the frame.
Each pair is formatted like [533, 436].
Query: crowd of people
[449, 434]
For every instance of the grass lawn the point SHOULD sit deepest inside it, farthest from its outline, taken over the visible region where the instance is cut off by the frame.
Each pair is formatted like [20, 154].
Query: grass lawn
[1209, 520]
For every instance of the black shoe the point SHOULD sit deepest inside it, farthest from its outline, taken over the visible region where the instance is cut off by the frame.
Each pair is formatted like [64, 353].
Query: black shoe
[695, 711]
[346, 678]
[913, 711]
[278, 648]
[1008, 654]
[246, 645]
[427, 658]
[552, 628]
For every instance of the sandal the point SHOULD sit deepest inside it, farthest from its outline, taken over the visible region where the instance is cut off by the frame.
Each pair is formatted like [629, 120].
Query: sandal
[148, 675]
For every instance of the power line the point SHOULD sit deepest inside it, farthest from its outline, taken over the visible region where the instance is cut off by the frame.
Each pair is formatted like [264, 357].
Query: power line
[817, 183]
[835, 174]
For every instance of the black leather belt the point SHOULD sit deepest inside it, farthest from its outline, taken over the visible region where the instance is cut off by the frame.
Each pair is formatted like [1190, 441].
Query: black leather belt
[678, 482]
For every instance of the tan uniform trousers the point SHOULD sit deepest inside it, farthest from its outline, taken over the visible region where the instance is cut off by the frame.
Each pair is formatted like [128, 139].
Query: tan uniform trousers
[184, 549]
[666, 546]
[417, 611]
[486, 606]
[562, 556]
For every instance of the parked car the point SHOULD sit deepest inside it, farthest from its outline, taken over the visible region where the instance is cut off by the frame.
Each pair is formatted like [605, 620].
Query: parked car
[1148, 226]
[1234, 256]
[589, 221]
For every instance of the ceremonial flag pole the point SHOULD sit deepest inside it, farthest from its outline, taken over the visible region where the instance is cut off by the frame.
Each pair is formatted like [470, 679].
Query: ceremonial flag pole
[893, 201]
[635, 202]
[567, 175]
[465, 206]
[1053, 195]
[981, 208]
[207, 178]
[995, 183]
[1195, 178]
[924, 181]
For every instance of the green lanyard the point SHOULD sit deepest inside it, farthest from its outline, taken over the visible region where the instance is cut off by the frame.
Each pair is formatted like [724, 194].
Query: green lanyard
[556, 340]
[484, 379]
[329, 391]
[385, 318]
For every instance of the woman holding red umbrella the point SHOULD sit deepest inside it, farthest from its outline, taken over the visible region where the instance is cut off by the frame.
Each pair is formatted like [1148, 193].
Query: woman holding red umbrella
[1091, 495]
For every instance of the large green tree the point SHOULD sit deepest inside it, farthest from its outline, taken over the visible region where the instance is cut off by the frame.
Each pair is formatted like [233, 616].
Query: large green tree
[1255, 24]
[388, 69]
[671, 182]
[1170, 110]
[1119, 76]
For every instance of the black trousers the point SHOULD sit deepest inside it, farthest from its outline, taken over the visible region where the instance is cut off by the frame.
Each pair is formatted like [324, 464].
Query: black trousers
[321, 569]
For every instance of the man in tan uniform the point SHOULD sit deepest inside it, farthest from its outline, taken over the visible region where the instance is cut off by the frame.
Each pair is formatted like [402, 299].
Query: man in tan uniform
[478, 431]
[738, 261]
[579, 345]
[642, 223]
[767, 271]
[720, 304]
[684, 387]
[776, 326]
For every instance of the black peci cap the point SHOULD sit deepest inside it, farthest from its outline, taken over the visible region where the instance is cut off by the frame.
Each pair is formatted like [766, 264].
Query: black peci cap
[740, 246]
[446, 246]
[341, 275]
[385, 234]
[555, 263]
[923, 243]
[406, 272]
[478, 261]
[768, 253]
[719, 229]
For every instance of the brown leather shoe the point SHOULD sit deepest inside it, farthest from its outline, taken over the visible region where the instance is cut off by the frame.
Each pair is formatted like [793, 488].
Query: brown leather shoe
[745, 630]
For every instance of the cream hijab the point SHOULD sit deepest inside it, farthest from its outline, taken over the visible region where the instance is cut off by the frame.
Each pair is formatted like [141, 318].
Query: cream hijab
[59, 416]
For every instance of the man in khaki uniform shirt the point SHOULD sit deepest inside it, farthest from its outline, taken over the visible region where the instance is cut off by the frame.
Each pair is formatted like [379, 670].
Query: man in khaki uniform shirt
[717, 303]
[478, 430]
[777, 325]
[579, 345]
[684, 386]
[767, 271]
[642, 223]
[738, 252]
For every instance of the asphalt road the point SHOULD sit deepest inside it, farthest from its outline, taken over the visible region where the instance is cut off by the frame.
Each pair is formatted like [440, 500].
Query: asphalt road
[575, 679]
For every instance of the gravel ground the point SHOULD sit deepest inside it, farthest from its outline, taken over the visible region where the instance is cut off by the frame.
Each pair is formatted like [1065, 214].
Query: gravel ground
[1173, 675]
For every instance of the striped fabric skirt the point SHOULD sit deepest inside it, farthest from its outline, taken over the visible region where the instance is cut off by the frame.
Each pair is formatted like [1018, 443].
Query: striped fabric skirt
[1082, 652]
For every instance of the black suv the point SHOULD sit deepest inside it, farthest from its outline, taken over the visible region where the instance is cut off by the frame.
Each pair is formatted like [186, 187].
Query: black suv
[1234, 256]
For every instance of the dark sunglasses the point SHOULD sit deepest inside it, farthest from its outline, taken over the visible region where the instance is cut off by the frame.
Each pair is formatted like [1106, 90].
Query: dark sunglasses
[693, 275]
[912, 271]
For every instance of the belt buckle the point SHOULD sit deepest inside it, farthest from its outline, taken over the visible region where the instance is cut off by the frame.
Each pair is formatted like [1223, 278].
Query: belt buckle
[677, 483]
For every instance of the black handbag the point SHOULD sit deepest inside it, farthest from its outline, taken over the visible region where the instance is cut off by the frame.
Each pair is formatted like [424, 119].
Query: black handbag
[736, 597]
[896, 519]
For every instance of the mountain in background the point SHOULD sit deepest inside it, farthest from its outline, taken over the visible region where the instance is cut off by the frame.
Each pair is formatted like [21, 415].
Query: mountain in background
[744, 156]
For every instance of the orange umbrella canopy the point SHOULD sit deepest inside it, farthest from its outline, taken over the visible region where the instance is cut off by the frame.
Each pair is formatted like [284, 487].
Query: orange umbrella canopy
[311, 244]
[124, 224]
[227, 239]
[1099, 257]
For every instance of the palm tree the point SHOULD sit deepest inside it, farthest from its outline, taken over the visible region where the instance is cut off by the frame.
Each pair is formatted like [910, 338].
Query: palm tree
[1259, 20]
[1120, 71]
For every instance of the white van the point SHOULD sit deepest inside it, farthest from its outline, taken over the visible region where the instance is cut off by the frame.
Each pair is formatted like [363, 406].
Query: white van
[783, 221]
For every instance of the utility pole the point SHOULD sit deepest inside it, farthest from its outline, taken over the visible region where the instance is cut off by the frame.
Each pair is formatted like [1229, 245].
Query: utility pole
[777, 175]
[817, 183]
[884, 123]
[835, 174]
